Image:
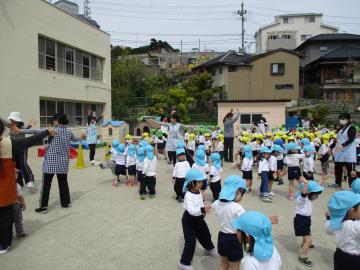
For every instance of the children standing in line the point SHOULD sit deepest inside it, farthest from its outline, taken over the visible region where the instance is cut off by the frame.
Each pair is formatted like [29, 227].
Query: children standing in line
[254, 233]
[131, 165]
[344, 222]
[292, 160]
[179, 172]
[19, 206]
[263, 173]
[120, 160]
[193, 223]
[215, 178]
[149, 172]
[228, 208]
[246, 166]
[310, 191]
[201, 166]
[309, 163]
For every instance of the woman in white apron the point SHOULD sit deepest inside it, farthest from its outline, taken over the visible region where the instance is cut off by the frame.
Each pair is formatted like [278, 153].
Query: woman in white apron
[345, 149]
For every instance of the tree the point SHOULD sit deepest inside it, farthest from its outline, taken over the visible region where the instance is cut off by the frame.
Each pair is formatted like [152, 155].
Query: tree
[313, 91]
[319, 113]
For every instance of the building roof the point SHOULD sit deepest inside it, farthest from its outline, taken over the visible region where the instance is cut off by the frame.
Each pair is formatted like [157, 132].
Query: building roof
[299, 15]
[233, 58]
[66, 2]
[328, 37]
[113, 123]
[252, 100]
[342, 53]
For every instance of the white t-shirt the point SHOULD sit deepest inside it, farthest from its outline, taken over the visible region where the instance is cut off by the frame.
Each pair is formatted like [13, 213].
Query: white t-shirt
[181, 168]
[251, 263]
[304, 206]
[263, 165]
[323, 149]
[347, 237]
[293, 160]
[139, 165]
[150, 167]
[204, 169]
[193, 203]
[247, 164]
[191, 145]
[208, 145]
[226, 213]
[130, 161]
[215, 173]
[309, 164]
[219, 147]
[120, 158]
[273, 163]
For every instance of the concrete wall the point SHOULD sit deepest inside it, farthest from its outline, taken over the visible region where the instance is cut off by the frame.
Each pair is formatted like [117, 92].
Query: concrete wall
[22, 83]
[274, 112]
[256, 82]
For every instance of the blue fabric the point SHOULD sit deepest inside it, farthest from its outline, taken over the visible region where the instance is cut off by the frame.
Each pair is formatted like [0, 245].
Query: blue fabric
[202, 147]
[292, 122]
[231, 184]
[216, 159]
[200, 157]
[249, 155]
[305, 141]
[149, 152]
[258, 226]
[291, 146]
[180, 151]
[247, 148]
[279, 142]
[115, 143]
[120, 148]
[143, 143]
[131, 150]
[140, 154]
[308, 148]
[264, 187]
[312, 187]
[181, 144]
[193, 175]
[91, 134]
[264, 149]
[276, 148]
[339, 204]
[355, 186]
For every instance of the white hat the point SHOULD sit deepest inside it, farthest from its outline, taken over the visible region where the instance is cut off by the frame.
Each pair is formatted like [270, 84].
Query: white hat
[15, 116]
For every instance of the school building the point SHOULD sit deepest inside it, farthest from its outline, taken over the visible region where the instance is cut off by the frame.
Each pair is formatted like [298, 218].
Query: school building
[52, 60]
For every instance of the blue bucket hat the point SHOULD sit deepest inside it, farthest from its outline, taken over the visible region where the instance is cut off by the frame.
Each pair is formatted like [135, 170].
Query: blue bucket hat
[193, 175]
[140, 154]
[180, 144]
[216, 159]
[313, 187]
[258, 226]
[143, 143]
[355, 186]
[305, 141]
[279, 142]
[131, 150]
[308, 148]
[115, 143]
[120, 148]
[247, 148]
[231, 184]
[339, 204]
[292, 146]
[180, 151]
[149, 151]
[200, 157]
[264, 149]
[276, 148]
[202, 147]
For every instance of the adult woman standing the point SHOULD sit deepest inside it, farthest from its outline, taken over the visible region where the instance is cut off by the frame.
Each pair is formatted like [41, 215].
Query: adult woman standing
[9, 147]
[345, 149]
[91, 134]
[228, 122]
[56, 161]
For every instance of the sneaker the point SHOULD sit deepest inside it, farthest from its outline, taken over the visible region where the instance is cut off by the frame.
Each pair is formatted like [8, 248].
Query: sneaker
[22, 235]
[180, 200]
[30, 185]
[185, 267]
[266, 199]
[305, 261]
[66, 205]
[212, 253]
[3, 250]
[272, 193]
[142, 197]
[334, 185]
[152, 196]
[281, 182]
[102, 166]
[41, 210]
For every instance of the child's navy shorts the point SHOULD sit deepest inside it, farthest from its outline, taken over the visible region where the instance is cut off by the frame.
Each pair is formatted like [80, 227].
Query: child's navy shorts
[230, 247]
[302, 225]
[271, 176]
[294, 173]
[204, 185]
[132, 170]
[120, 170]
[247, 175]
[280, 164]
[308, 175]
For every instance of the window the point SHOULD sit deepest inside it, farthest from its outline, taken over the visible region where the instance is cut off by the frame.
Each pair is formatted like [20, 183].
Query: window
[220, 70]
[245, 119]
[286, 36]
[323, 49]
[285, 20]
[284, 86]
[273, 37]
[63, 59]
[110, 131]
[232, 68]
[256, 118]
[277, 69]
[75, 112]
[310, 19]
[288, 20]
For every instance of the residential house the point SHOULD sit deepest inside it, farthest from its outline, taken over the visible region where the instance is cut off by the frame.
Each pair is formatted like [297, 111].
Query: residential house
[332, 62]
[290, 30]
[53, 61]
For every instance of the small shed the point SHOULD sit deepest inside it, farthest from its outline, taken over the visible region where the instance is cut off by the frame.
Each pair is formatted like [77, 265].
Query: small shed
[146, 123]
[114, 130]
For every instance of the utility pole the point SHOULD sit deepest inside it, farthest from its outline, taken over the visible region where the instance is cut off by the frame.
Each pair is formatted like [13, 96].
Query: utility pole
[199, 45]
[242, 13]
[87, 10]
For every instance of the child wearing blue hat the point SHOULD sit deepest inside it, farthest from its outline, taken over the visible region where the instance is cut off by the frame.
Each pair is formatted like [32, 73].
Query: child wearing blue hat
[179, 172]
[310, 191]
[254, 233]
[292, 161]
[140, 156]
[227, 208]
[275, 149]
[355, 186]
[215, 177]
[263, 173]
[193, 223]
[280, 162]
[344, 222]
[149, 172]
[309, 163]
[131, 165]
[202, 166]
[120, 160]
[246, 166]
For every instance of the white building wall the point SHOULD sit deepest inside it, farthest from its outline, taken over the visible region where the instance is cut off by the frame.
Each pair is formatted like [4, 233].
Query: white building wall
[22, 83]
[298, 25]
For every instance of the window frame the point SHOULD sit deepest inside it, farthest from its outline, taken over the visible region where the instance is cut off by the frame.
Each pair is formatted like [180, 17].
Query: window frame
[277, 73]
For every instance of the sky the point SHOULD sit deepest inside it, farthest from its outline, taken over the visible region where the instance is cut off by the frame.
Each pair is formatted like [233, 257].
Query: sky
[215, 22]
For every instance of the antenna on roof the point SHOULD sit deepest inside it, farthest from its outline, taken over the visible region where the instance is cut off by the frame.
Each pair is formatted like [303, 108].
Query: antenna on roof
[87, 10]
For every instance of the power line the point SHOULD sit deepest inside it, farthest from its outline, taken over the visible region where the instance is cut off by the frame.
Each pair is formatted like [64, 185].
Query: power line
[173, 34]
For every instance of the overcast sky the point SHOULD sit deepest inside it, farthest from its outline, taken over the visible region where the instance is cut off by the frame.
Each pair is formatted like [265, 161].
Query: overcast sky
[133, 22]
